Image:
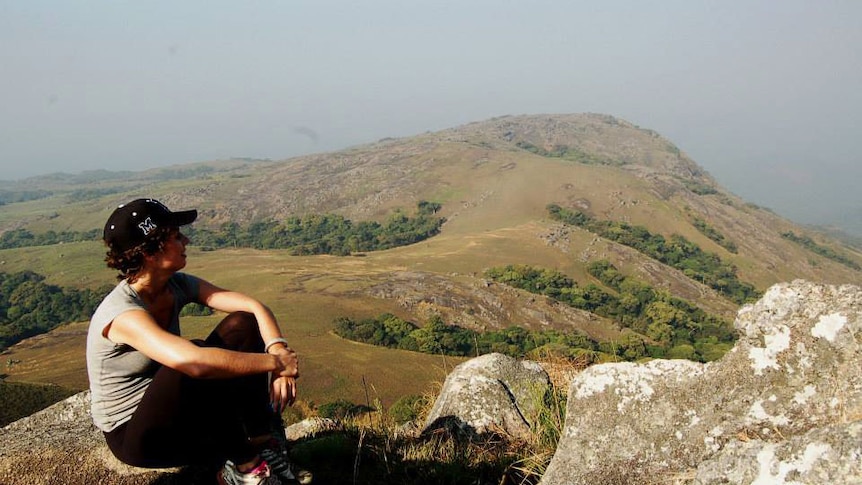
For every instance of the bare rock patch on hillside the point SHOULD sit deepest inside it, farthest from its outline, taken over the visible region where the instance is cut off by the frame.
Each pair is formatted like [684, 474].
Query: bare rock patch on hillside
[484, 305]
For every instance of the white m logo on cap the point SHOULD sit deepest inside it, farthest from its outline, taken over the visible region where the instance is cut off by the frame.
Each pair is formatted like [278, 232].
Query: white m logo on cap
[147, 226]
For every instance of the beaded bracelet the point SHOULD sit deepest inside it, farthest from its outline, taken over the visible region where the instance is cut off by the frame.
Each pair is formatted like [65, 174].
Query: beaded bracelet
[274, 341]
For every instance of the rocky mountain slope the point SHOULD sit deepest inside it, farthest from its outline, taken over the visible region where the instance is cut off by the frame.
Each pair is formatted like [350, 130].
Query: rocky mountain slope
[494, 179]
[490, 176]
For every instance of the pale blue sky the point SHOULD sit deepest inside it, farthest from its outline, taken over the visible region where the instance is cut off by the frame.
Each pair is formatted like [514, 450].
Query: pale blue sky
[763, 94]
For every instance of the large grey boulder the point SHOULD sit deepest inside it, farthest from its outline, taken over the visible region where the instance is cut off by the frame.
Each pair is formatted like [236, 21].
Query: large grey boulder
[781, 407]
[493, 393]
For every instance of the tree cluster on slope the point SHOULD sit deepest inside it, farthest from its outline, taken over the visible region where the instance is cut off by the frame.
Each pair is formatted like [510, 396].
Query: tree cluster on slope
[661, 325]
[676, 252]
[436, 337]
[573, 154]
[307, 235]
[21, 238]
[29, 306]
[656, 324]
[326, 233]
[713, 233]
[824, 251]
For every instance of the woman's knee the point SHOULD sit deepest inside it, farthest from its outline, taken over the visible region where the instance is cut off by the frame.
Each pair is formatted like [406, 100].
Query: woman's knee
[240, 321]
[240, 329]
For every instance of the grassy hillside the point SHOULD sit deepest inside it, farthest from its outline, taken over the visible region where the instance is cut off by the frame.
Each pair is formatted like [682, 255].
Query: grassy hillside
[494, 180]
[305, 296]
[18, 400]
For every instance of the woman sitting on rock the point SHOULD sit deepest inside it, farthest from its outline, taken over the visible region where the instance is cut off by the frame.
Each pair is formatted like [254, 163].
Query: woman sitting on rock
[164, 401]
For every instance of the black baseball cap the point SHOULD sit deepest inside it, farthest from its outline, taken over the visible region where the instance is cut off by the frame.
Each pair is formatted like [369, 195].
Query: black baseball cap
[131, 223]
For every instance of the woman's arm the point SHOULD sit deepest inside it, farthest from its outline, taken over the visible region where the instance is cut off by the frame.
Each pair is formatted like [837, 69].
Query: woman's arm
[283, 388]
[138, 329]
[231, 301]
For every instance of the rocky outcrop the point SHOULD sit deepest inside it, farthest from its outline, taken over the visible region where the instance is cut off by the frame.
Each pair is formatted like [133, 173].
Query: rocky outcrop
[782, 407]
[60, 446]
[493, 393]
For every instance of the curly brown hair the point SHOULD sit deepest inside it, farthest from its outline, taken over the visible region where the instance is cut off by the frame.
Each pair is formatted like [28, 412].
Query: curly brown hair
[129, 263]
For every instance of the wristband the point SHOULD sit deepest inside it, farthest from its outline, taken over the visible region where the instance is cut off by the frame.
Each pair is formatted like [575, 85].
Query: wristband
[274, 341]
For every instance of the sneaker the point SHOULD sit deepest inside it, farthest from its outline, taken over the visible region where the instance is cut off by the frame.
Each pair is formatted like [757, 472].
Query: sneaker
[277, 454]
[260, 475]
[282, 467]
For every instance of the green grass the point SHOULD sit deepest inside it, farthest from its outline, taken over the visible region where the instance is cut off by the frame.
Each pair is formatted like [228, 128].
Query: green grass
[76, 265]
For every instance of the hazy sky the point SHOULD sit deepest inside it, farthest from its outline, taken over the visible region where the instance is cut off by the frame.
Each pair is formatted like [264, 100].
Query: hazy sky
[765, 95]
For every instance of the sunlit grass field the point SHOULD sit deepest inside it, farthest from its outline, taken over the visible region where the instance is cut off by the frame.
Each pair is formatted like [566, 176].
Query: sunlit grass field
[306, 294]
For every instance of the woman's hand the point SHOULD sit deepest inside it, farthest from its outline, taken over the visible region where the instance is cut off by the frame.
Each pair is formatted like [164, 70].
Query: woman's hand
[282, 392]
[288, 363]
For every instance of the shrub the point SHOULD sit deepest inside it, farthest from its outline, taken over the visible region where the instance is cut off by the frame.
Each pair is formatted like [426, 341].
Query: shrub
[340, 409]
[196, 309]
[408, 408]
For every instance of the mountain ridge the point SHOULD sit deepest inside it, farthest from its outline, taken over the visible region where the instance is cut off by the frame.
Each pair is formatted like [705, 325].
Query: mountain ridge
[494, 179]
[488, 175]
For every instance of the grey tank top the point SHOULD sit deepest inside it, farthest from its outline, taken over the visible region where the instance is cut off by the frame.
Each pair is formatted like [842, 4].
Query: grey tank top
[119, 374]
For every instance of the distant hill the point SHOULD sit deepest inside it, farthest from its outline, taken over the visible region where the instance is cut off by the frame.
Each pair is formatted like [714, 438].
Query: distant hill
[494, 180]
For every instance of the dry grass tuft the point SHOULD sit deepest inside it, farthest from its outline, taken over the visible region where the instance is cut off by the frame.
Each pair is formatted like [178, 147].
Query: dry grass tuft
[373, 448]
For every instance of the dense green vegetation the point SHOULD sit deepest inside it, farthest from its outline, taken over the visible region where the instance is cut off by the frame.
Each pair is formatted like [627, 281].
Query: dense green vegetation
[661, 325]
[568, 153]
[325, 234]
[371, 449]
[436, 337]
[408, 408]
[699, 188]
[341, 409]
[21, 238]
[11, 196]
[196, 310]
[678, 252]
[29, 306]
[712, 233]
[90, 194]
[313, 234]
[824, 251]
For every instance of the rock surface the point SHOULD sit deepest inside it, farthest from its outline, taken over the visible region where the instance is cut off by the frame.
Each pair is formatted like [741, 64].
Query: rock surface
[60, 445]
[493, 393]
[782, 407]
[70, 449]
